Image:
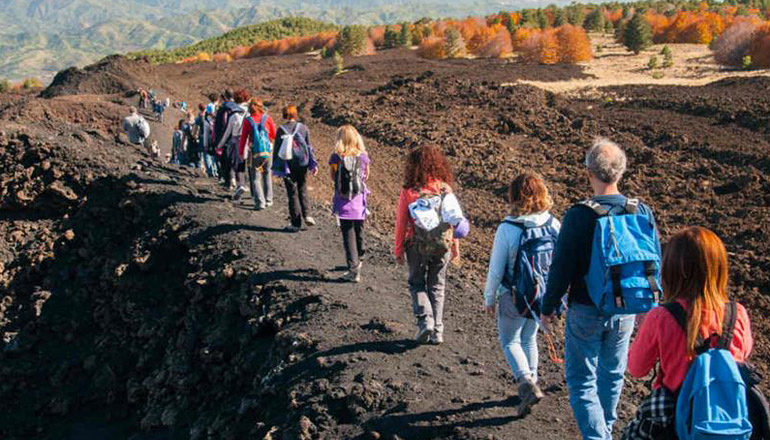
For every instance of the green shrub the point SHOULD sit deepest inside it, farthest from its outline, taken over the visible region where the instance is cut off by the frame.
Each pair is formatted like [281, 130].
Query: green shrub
[668, 57]
[658, 75]
[609, 27]
[405, 36]
[653, 63]
[747, 62]
[5, 86]
[391, 37]
[666, 52]
[31, 83]
[339, 63]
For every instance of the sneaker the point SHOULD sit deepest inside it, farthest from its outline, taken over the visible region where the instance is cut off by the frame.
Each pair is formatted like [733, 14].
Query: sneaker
[258, 208]
[238, 193]
[310, 221]
[291, 228]
[269, 204]
[423, 335]
[353, 275]
[528, 397]
[437, 338]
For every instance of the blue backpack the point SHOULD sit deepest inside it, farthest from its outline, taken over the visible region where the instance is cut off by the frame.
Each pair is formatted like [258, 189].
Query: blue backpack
[531, 266]
[624, 273]
[260, 142]
[712, 402]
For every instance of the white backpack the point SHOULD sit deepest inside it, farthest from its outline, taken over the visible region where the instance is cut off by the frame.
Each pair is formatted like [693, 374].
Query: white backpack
[286, 152]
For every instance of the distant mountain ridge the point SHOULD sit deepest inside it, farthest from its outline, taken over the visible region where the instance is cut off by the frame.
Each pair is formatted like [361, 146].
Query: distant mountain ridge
[40, 37]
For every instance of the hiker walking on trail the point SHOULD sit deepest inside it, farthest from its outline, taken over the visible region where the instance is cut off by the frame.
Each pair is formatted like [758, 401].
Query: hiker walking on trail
[429, 222]
[231, 139]
[349, 171]
[256, 147]
[204, 123]
[144, 99]
[192, 153]
[137, 129]
[179, 145]
[518, 272]
[672, 336]
[223, 112]
[293, 159]
[607, 234]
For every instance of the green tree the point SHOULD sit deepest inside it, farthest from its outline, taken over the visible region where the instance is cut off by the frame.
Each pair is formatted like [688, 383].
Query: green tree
[352, 40]
[576, 15]
[747, 62]
[559, 17]
[454, 44]
[595, 21]
[5, 86]
[638, 34]
[668, 57]
[608, 27]
[405, 36]
[391, 37]
[653, 63]
[542, 19]
[528, 18]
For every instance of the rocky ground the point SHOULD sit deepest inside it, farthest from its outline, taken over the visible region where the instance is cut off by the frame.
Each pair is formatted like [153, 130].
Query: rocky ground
[139, 302]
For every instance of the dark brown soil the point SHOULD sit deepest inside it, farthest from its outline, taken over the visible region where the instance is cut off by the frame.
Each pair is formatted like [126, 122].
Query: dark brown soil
[138, 302]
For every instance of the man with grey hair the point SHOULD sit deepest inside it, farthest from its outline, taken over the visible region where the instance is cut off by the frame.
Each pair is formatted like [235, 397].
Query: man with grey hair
[596, 342]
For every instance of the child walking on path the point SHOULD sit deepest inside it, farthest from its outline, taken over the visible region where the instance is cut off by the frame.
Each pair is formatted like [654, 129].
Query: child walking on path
[518, 272]
[429, 223]
[349, 170]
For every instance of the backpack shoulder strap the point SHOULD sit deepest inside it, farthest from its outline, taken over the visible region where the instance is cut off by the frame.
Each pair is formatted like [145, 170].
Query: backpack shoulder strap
[263, 121]
[597, 208]
[678, 313]
[632, 206]
[728, 325]
[296, 129]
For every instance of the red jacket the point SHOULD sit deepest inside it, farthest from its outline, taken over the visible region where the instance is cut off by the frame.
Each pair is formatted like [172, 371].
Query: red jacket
[247, 132]
[660, 338]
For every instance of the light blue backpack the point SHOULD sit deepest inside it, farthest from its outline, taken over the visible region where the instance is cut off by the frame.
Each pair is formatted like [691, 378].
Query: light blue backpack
[712, 401]
[624, 273]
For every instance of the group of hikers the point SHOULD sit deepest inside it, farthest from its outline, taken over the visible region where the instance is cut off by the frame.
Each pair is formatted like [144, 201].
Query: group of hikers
[148, 100]
[602, 265]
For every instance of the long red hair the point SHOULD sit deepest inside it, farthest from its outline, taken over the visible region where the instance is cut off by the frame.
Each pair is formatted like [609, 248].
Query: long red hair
[695, 269]
[426, 163]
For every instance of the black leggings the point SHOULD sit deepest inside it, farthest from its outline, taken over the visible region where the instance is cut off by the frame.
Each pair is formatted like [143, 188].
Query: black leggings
[353, 240]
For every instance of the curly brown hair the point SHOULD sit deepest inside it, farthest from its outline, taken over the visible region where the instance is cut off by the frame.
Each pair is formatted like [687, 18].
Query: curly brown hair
[426, 163]
[241, 95]
[528, 194]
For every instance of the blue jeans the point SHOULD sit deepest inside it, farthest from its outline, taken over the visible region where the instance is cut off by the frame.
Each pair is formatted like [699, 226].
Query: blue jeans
[518, 339]
[210, 162]
[596, 354]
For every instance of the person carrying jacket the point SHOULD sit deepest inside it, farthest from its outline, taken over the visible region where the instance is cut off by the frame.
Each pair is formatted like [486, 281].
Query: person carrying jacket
[530, 201]
[350, 209]
[426, 171]
[260, 181]
[231, 137]
[596, 346]
[694, 275]
[295, 172]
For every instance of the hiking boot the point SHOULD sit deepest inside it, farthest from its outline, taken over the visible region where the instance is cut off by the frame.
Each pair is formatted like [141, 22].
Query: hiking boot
[437, 338]
[423, 335]
[238, 193]
[353, 275]
[528, 397]
[292, 228]
[310, 221]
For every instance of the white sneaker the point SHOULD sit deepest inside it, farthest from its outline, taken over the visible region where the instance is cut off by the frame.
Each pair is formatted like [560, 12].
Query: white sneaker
[310, 221]
[423, 335]
[238, 193]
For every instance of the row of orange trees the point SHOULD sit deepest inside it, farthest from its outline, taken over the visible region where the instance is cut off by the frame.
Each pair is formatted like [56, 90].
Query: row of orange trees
[286, 46]
[453, 39]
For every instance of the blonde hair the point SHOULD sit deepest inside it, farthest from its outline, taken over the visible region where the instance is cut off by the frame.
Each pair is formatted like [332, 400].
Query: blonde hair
[349, 142]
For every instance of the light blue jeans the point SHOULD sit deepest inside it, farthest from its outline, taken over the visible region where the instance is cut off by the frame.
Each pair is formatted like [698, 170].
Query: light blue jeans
[210, 162]
[518, 339]
[596, 354]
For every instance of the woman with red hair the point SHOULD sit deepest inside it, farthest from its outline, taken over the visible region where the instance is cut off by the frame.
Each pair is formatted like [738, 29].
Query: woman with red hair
[429, 223]
[694, 276]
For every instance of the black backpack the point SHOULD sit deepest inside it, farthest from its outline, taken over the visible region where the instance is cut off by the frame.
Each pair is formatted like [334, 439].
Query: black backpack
[349, 182]
[759, 410]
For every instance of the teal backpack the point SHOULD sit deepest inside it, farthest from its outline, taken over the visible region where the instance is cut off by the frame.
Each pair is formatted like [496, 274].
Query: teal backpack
[624, 274]
[712, 402]
[260, 142]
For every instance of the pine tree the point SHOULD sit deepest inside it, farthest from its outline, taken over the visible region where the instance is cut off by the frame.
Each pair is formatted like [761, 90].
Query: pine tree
[576, 15]
[352, 40]
[5, 85]
[542, 19]
[595, 21]
[454, 44]
[527, 17]
[391, 37]
[559, 17]
[638, 34]
[405, 36]
[609, 27]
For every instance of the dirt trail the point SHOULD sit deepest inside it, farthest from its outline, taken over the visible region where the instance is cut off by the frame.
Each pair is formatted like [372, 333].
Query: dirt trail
[138, 302]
